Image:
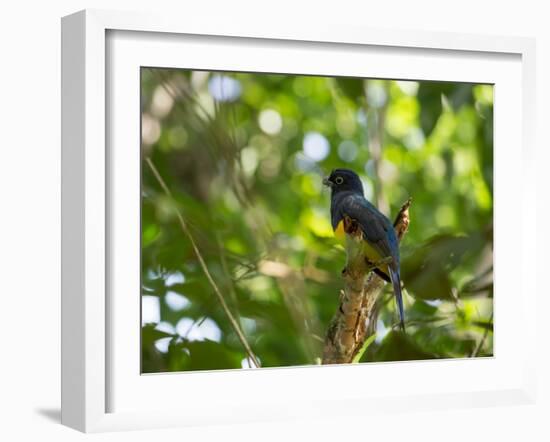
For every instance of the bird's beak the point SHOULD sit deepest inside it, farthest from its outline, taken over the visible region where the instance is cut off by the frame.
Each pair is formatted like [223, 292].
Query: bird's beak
[327, 182]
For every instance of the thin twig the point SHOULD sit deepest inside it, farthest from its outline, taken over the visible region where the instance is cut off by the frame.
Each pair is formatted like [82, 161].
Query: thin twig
[202, 263]
[482, 341]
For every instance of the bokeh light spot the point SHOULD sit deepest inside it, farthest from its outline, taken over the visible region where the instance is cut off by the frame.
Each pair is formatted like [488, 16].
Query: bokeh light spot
[376, 94]
[173, 278]
[270, 121]
[408, 87]
[224, 88]
[414, 139]
[199, 330]
[162, 102]
[249, 160]
[347, 151]
[162, 344]
[150, 309]
[175, 301]
[316, 146]
[150, 129]
[166, 327]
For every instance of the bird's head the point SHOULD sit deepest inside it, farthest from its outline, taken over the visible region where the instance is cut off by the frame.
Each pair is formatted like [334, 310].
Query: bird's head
[342, 180]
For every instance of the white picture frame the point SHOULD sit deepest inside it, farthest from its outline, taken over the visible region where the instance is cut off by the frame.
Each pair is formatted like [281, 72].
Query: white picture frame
[90, 325]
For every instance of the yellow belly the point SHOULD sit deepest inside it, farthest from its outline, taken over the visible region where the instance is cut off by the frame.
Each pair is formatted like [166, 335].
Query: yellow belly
[366, 249]
[373, 256]
[339, 232]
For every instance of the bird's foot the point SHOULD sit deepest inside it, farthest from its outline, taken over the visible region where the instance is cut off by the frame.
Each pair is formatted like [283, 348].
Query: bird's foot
[371, 265]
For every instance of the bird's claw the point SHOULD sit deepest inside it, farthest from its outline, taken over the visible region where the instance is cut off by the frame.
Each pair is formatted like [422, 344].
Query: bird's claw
[373, 265]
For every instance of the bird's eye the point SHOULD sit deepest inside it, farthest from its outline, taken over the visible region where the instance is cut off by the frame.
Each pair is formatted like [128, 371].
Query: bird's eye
[339, 180]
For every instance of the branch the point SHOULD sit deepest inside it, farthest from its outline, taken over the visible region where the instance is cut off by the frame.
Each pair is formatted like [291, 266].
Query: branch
[355, 319]
[234, 323]
[375, 137]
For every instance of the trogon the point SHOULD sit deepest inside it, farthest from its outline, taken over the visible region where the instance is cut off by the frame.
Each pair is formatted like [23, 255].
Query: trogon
[358, 221]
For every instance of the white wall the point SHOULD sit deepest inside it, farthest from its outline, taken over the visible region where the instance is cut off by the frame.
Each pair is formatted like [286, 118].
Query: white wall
[30, 218]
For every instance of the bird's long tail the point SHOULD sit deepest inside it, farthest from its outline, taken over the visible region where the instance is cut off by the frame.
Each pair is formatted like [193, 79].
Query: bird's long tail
[396, 282]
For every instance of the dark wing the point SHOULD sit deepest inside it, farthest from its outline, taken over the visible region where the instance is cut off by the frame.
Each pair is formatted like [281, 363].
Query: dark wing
[376, 228]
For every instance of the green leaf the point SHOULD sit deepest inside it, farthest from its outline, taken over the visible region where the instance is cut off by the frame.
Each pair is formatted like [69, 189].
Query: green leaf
[351, 87]
[430, 95]
[150, 332]
[398, 346]
[210, 355]
[366, 345]
[427, 271]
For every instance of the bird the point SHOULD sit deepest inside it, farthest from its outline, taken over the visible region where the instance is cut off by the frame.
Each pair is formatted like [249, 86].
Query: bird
[359, 222]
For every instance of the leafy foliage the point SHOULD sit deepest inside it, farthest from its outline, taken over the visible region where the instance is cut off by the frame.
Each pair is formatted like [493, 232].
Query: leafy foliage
[243, 156]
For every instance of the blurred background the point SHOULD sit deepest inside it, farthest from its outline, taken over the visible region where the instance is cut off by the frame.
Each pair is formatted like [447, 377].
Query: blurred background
[243, 156]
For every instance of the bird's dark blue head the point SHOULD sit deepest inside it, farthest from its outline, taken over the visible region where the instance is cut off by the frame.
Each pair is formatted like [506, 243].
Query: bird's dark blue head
[344, 180]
